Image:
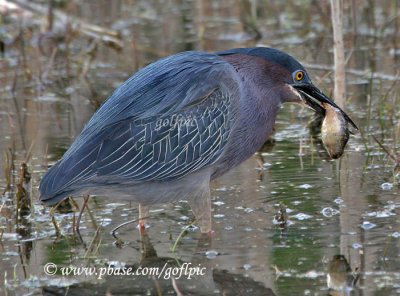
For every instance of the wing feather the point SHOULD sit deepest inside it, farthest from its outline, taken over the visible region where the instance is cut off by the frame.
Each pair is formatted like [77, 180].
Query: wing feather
[182, 147]
[136, 135]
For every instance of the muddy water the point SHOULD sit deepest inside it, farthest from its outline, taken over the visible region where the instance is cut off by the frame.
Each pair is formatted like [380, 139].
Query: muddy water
[348, 207]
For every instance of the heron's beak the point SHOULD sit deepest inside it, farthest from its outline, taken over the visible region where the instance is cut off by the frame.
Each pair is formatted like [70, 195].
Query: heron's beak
[314, 98]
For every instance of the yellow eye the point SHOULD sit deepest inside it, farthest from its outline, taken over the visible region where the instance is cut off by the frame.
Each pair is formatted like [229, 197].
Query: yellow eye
[299, 75]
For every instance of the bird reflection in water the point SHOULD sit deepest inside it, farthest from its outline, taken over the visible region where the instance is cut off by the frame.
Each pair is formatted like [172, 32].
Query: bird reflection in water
[214, 281]
[340, 278]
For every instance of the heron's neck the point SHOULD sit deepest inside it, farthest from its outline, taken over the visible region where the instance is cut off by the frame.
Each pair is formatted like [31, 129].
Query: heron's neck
[259, 108]
[260, 100]
[259, 105]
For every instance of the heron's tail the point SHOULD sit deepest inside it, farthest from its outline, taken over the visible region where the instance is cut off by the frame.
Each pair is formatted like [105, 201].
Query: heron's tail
[56, 198]
[52, 186]
[67, 175]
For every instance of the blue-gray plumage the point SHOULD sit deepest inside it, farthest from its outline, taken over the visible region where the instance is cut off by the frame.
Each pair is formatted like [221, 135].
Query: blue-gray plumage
[179, 123]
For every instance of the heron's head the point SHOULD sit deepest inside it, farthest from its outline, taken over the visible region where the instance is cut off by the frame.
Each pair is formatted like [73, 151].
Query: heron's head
[288, 78]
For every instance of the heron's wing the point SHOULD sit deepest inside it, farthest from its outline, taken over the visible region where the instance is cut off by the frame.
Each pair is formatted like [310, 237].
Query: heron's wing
[169, 147]
[163, 87]
[183, 84]
[166, 86]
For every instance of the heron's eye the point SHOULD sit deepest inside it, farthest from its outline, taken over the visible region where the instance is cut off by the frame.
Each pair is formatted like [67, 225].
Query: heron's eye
[298, 75]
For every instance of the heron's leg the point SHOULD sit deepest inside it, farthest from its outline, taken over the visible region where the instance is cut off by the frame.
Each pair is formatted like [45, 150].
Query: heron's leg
[201, 208]
[143, 214]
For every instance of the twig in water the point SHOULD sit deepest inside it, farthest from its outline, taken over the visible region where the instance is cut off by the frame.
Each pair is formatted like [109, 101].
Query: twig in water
[90, 249]
[176, 288]
[73, 202]
[59, 18]
[387, 151]
[78, 221]
[49, 66]
[53, 220]
[124, 224]
[50, 16]
[7, 171]
[157, 284]
[173, 249]
[2, 205]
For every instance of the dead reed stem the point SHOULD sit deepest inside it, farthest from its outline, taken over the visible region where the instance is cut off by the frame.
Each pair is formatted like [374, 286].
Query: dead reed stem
[339, 92]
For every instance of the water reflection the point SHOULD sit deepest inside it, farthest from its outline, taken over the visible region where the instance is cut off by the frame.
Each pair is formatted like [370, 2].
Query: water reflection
[25, 244]
[166, 275]
[340, 277]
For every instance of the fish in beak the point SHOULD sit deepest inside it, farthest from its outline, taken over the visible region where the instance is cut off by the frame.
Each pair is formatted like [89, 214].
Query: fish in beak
[315, 98]
[334, 128]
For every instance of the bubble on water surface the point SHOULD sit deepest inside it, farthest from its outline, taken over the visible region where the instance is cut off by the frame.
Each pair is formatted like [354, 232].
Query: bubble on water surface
[386, 186]
[247, 266]
[305, 186]
[219, 203]
[211, 254]
[329, 212]
[339, 201]
[219, 216]
[396, 234]
[191, 228]
[302, 216]
[384, 214]
[366, 225]
[223, 188]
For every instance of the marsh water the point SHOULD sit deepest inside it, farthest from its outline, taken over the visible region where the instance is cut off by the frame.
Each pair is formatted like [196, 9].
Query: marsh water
[280, 219]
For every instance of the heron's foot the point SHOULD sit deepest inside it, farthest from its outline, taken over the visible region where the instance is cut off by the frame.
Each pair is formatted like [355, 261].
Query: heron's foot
[201, 208]
[208, 235]
[143, 214]
[142, 228]
[205, 226]
[206, 229]
[142, 225]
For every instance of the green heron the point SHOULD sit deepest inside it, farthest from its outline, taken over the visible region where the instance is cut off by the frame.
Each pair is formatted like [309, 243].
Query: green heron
[179, 123]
